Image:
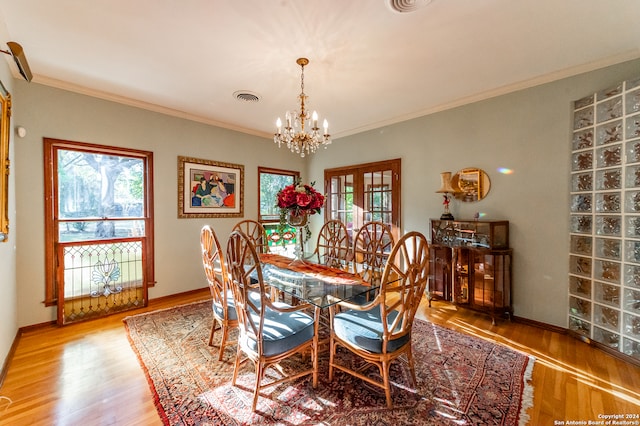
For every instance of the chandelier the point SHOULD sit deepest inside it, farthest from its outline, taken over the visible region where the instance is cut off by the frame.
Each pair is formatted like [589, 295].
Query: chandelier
[293, 134]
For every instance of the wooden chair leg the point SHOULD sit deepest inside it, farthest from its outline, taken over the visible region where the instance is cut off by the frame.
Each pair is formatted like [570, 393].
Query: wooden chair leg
[412, 368]
[223, 342]
[256, 393]
[213, 331]
[332, 350]
[315, 366]
[315, 346]
[236, 367]
[387, 385]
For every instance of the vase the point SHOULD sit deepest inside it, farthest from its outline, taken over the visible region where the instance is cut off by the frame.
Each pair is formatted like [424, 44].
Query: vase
[298, 219]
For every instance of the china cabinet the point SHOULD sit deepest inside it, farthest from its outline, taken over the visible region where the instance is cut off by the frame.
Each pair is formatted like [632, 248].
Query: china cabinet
[471, 265]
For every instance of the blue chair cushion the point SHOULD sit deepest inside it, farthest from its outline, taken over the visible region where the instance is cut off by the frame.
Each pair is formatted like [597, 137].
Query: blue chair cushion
[231, 305]
[283, 331]
[363, 329]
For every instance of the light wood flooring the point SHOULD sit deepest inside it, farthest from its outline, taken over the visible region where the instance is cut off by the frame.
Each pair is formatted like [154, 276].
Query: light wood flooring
[87, 374]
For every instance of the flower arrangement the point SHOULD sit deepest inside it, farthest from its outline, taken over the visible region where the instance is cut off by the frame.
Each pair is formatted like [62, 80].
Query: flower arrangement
[296, 203]
[299, 199]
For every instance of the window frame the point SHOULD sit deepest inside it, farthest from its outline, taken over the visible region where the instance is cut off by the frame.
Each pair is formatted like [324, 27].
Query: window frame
[5, 116]
[51, 147]
[273, 171]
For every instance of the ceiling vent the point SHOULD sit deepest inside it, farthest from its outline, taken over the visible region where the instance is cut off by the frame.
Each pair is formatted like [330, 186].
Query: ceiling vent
[406, 6]
[246, 96]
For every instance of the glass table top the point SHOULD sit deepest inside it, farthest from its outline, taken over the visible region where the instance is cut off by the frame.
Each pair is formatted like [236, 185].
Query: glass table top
[311, 282]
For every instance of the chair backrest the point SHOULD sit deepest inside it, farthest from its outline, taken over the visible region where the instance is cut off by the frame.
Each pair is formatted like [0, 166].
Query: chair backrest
[256, 232]
[404, 281]
[371, 248]
[333, 245]
[245, 275]
[214, 265]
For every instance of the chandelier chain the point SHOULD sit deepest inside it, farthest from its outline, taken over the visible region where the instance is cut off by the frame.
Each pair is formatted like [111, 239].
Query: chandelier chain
[303, 113]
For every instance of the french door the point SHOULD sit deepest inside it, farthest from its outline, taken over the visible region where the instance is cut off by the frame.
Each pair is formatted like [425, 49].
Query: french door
[363, 193]
[99, 228]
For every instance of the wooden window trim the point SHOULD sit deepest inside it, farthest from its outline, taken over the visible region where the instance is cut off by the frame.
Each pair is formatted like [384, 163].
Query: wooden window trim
[50, 147]
[261, 170]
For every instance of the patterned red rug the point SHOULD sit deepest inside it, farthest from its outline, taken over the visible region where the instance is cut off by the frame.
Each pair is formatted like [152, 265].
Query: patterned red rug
[462, 380]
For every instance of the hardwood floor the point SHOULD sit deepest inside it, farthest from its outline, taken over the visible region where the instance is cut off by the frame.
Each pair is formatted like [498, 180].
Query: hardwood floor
[87, 374]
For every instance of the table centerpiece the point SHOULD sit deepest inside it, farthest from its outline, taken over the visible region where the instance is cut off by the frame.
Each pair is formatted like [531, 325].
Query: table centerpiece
[297, 202]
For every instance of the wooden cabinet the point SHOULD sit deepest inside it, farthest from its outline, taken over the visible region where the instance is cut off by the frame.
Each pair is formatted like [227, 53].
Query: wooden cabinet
[440, 273]
[479, 234]
[471, 265]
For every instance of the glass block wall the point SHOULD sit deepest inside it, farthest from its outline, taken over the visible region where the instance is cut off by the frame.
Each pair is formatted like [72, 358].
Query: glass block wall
[604, 269]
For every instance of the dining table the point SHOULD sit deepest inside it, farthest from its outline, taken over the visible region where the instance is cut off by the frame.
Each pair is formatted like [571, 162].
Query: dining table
[307, 281]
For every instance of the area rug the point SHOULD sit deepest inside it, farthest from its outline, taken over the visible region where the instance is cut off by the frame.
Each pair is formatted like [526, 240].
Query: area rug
[462, 380]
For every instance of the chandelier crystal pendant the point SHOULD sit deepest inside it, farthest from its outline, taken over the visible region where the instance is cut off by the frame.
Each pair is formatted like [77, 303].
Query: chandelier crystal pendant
[293, 134]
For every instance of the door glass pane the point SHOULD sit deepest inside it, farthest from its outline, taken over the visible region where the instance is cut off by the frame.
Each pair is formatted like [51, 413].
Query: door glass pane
[341, 200]
[378, 201]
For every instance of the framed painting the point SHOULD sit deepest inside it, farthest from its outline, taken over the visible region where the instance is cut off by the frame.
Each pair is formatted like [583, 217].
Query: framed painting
[469, 183]
[209, 188]
[5, 113]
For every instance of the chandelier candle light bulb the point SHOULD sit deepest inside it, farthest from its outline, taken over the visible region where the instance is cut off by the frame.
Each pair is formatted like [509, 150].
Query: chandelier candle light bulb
[294, 134]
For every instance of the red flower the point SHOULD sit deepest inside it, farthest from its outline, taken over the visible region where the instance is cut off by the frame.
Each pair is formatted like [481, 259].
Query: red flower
[300, 197]
[303, 199]
[317, 202]
[286, 199]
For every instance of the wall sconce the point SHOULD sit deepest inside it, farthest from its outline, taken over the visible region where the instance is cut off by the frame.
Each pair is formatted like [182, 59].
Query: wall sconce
[447, 191]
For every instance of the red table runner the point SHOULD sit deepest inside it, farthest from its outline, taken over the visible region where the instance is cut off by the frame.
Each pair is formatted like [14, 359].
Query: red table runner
[314, 270]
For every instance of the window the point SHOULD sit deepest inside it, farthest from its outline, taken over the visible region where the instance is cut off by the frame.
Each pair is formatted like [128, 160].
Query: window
[270, 182]
[99, 228]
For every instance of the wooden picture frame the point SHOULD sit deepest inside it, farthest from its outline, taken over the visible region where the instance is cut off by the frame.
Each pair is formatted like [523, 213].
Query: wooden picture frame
[473, 183]
[5, 114]
[208, 189]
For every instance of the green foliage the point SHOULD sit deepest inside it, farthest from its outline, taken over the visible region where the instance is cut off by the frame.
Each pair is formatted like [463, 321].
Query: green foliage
[270, 184]
[92, 184]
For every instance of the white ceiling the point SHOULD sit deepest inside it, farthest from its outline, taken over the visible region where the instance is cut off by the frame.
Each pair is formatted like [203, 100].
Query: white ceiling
[369, 65]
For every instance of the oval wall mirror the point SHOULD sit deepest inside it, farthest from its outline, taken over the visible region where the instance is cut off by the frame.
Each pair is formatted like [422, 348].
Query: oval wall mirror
[473, 184]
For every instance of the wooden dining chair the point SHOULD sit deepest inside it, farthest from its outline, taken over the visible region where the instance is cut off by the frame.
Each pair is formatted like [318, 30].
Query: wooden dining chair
[223, 305]
[269, 332]
[380, 331]
[332, 245]
[256, 232]
[371, 247]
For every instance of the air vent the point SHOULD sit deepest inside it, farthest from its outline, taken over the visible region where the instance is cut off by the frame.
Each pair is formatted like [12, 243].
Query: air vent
[246, 96]
[406, 6]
